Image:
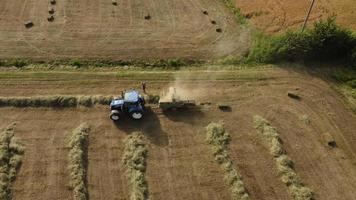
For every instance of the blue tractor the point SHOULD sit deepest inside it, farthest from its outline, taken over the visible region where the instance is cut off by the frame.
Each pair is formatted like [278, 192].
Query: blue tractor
[131, 103]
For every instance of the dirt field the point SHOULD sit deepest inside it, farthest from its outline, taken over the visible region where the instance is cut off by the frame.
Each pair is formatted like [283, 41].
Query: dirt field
[278, 15]
[97, 29]
[180, 163]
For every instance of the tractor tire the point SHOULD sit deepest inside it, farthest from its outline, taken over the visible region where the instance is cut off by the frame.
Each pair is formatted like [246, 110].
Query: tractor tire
[136, 115]
[115, 116]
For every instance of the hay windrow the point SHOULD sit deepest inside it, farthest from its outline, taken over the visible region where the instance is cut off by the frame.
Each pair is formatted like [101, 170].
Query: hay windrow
[134, 159]
[11, 152]
[284, 163]
[219, 140]
[78, 156]
[55, 101]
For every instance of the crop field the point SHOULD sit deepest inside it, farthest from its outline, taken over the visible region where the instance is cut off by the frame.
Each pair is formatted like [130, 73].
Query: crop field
[273, 16]
[129, 30]
[171, 155]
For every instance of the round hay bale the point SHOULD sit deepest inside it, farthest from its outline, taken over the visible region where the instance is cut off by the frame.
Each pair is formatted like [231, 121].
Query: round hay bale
[148, 17]
[219, 30]
[205, 12]
[29, 24]
[53, 2]
[50, 10]
[213, 22]
[114, 2]
[50, 18]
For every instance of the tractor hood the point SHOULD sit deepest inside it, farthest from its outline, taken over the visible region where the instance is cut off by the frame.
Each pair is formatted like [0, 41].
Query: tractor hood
[116, 103]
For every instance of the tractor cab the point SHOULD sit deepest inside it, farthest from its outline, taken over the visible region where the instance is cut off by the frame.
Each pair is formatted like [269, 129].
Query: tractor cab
[131, 103]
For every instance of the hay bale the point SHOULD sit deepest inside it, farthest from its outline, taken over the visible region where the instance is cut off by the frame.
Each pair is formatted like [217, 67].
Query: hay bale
[219, 30]
[213, 22]
[224, 107]
[329, 140]
[293, 95]
[148, 17]
[28, 24]
[114, 2]
[50, 10]
[205, 12]
[53, 2]
[50, 18]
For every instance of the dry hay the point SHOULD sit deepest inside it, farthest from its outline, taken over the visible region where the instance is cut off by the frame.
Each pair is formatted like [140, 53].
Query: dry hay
[219, 140]
[55, 101]
[284, 163]
[134, 160]
[11, 152]
[78, 145]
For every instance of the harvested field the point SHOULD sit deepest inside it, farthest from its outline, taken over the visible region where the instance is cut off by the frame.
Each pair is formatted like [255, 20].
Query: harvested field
[274, 16]
[91, 29]
[180, 164]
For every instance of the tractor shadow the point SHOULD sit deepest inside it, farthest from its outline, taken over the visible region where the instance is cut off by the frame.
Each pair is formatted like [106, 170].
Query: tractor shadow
[189, 116]
[150, 126]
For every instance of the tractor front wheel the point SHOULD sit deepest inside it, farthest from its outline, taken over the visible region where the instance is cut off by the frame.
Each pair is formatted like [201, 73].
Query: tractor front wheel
[115, 116]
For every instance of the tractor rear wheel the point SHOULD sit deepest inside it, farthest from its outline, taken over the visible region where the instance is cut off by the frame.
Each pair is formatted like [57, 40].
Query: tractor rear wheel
[136, 115]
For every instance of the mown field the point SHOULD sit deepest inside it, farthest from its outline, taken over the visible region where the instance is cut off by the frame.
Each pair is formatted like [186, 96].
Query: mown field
[175, 158]
[100, 30]
[276, 16]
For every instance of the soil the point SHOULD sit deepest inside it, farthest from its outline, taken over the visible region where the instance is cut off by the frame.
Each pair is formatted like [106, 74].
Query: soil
[273, 16]
[96, 29]
[180, 163]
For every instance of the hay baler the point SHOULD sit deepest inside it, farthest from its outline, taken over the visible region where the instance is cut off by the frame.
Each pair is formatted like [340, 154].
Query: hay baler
[173, 101]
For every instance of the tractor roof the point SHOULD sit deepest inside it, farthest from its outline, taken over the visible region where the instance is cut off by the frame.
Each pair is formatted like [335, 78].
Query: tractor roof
[131, 96]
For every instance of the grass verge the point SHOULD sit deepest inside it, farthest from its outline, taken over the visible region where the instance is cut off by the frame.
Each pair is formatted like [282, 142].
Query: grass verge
[236, 11]
[219, 140]
[55, 101]
[284, 163]
[135, 155]
[326, 41]
[346, 84]
[78, 158]
[11, 152]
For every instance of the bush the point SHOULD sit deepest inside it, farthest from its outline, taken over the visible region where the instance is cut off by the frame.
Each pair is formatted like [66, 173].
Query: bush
[219, 139]
[11, 152]
[18, 63]
[324, 42]
[76, 63]
[78, 153]
[284, 163]
[134, 159]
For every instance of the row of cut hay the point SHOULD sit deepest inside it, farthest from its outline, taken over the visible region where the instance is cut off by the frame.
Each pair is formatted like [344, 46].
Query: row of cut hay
[55, 101]
[11, 152]
[78, 157]
[219, 140]
[284, 163]
[134, 159]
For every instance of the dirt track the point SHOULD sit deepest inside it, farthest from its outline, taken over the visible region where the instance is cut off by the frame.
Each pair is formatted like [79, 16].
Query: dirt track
[97, 29]
[180, 163]
[278, 15]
